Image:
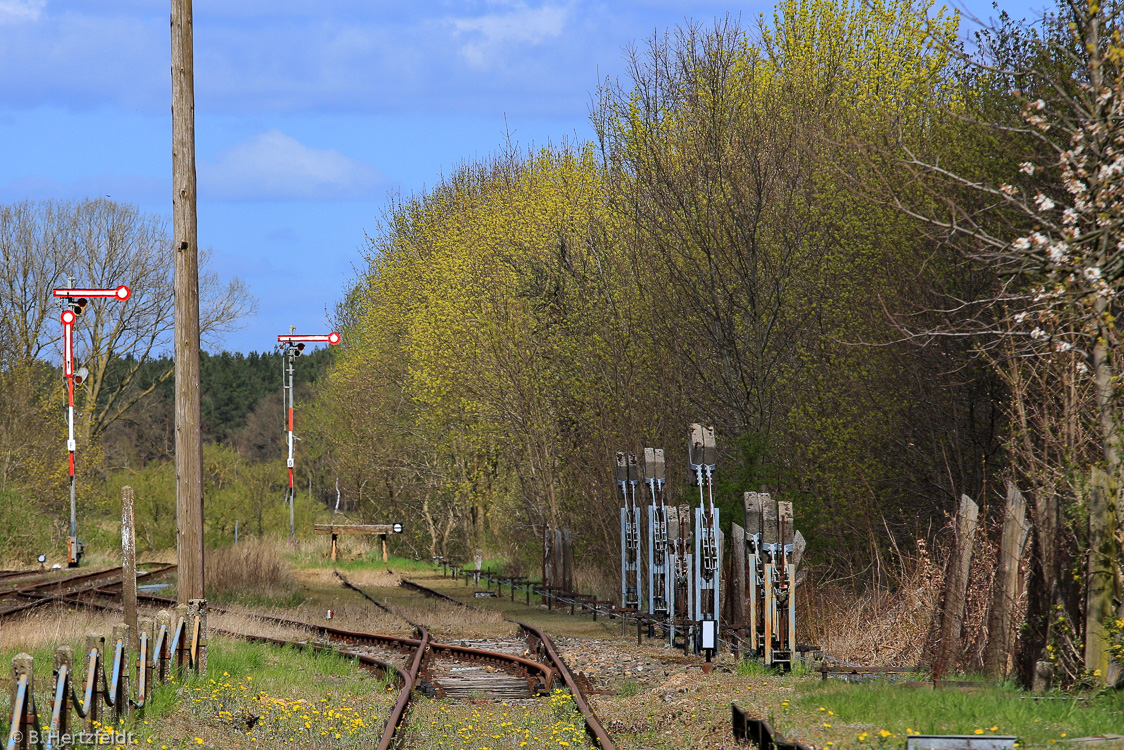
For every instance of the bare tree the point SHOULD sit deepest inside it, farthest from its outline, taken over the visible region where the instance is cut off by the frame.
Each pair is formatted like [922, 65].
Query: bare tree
[103, 244]
[30, 264]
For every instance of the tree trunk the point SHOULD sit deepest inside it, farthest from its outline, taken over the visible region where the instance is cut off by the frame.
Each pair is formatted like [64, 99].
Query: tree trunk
[430, 527]
[1100, 573]
[1043, 573]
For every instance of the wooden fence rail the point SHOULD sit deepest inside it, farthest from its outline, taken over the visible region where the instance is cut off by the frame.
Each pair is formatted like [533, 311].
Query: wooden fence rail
[168, 646]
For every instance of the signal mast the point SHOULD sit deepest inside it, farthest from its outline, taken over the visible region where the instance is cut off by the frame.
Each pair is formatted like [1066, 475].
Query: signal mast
[74, 303]
[292, 345]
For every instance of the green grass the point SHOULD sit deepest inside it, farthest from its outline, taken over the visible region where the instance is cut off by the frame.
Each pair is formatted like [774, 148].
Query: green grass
[1003, 709]
[443, 724]
[751, 667]
[628, 689]
[309, 699]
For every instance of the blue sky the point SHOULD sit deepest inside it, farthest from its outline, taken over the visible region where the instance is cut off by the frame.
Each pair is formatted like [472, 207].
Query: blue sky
[308, 114]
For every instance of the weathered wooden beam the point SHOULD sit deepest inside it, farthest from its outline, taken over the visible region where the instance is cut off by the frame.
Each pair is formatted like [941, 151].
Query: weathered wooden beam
[956, 587]
[369, 528]
[737, 600]
[1000, 625]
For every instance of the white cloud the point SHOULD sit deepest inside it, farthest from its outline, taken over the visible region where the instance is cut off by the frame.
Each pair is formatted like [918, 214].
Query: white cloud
[14, 11]
[276, 166]
[491, 36]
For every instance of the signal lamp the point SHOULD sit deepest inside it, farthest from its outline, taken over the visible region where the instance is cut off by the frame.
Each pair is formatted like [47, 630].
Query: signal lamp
[80, 375]
[77, 305]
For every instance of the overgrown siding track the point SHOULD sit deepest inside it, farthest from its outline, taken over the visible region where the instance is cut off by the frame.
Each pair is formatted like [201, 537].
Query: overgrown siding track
[497, 669]
[55, 588]
[538, 643]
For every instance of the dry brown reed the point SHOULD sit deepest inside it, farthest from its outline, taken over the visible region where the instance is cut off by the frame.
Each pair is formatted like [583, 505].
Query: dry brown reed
[246, 623]
[254, 567]
[325, 578]
[48, 627]
[593, 580]
[896, 624]
[159, 556]
[977, 602]
[443, 619]
[358, 616]
[874, 625]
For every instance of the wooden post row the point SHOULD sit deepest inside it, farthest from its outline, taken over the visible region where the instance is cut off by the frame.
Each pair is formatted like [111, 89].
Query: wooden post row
[106, 680]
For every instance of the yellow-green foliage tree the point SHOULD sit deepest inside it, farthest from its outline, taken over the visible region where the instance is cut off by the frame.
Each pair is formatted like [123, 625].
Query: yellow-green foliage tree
[33, 464]
[251, 493]
[706, 260]
[735, 153]
[479, 348]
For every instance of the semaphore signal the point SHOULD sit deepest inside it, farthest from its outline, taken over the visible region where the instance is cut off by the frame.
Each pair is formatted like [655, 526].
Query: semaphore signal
[121, 293]
[292, 345]
[309, 338]
[74, 302]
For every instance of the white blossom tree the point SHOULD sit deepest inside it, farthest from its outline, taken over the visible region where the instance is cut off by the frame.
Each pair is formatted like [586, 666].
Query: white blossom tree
[1053, 233]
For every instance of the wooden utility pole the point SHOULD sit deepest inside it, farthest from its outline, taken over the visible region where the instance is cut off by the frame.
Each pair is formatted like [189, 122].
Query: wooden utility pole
[189, 443]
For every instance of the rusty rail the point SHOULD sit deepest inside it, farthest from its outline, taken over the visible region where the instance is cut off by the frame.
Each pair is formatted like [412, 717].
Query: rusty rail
[54, 590]
[759, 732]
[417, 646]
[593, 726]
[398, 713]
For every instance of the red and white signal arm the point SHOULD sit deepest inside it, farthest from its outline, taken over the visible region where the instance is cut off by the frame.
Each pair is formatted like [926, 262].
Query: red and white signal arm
[332, 338]
[121, 293]
[79, 297]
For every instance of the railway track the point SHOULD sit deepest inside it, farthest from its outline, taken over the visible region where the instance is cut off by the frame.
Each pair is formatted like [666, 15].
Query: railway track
[517, 669]
[532, 640]
[18, 598]
[541, 644]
